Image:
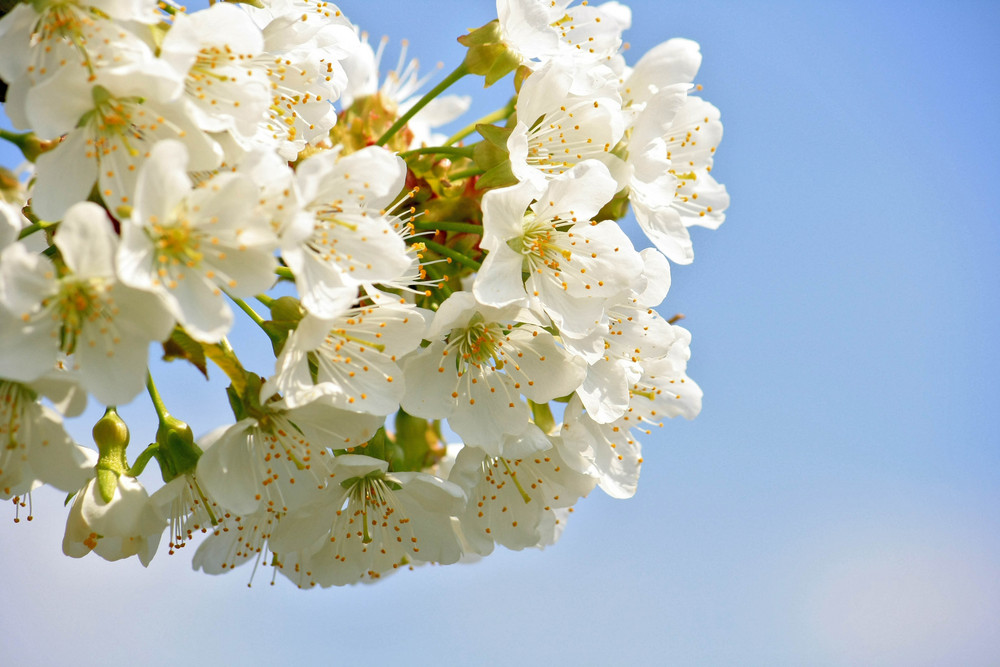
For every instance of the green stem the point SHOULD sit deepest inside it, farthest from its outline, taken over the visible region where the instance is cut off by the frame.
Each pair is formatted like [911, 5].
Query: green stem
[465, 173]
[459, 72]
[463, 151]
[463, 227]
[257, 319]
[499, 114]
[284, 272]
[140, 463]
[31, 229]
[444, 251]
[154, 395]
[265, 299]
[245, 307]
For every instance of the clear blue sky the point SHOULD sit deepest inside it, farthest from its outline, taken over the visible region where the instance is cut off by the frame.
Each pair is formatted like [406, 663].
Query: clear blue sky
[838, 500]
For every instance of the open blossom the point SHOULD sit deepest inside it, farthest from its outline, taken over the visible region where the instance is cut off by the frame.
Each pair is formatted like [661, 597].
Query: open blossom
[482, 362]
[112, 126]
[610, 450]
[83, 311]
[559, 126]
[543, 30]
[670, 149]
[188, 244]
[276, 461]
[512, 499]
[399, 90]
[370, 522]
[575, 266]
[347, 239]
[75, 39]
[212, 50]
[304, 42]
[352, 360]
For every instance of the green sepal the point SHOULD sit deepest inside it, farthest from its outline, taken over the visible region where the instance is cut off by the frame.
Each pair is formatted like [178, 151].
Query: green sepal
[236, 404]
[253, 3]
[488, 55]
[107, 482]
[542, 415]
[614, 209]
[286, 313]
[140, 462]
[499, 176]
[497, 136]
[176, 450]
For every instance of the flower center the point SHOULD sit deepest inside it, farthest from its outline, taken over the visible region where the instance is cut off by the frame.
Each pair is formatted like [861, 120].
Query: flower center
[478, 343]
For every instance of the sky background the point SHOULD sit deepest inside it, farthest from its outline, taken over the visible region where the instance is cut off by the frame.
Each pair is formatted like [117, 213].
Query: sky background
[837, 502]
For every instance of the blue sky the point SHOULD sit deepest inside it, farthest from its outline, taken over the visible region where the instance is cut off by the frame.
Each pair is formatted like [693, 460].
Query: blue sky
[836, 502]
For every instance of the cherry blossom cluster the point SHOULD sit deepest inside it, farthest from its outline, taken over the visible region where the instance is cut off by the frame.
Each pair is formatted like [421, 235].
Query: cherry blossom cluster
[466, 340]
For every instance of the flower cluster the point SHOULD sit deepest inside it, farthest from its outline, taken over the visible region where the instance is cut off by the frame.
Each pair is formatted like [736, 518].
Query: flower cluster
[182, 163]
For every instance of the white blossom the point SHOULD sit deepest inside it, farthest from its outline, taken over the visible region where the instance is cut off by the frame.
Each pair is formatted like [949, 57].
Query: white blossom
[82, 311]
[188, 244]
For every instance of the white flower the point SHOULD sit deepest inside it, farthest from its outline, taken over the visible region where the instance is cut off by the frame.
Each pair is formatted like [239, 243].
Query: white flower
[609, 450]
[112, 128]
[481, 362]
[187, 245]
[558, 127]
[670, 146]
[541, 30]
[512, 500]
[351, 360]
[113, 530]
[352, 239]
[278, 460]
[35, 448]
[73, 39]
[632, 334]
[213, 51]
[575, 266]
[234, 542]
[667, 64]
[104, 325]
[370, 522]
[304, 42]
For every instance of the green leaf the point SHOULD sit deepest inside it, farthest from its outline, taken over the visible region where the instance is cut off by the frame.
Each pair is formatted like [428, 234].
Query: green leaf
[224, 357]
[181, 346]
